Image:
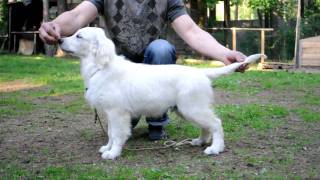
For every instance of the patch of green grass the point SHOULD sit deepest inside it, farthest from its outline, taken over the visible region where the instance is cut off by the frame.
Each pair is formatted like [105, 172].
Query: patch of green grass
[236, 119]
[52, 76]
[179, 128]
[310, 99]
[75, 105]
[76, 172]
[12, 106]
[63, 76]
[253, 82]
[307, 115]
[9, 171]
[87, 134]
[93, 171]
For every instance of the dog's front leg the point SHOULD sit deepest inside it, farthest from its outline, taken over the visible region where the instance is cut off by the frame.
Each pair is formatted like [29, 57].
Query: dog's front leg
[120, 132]
[109, 144]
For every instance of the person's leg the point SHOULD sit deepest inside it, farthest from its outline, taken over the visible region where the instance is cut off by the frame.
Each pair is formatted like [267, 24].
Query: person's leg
[159, 52]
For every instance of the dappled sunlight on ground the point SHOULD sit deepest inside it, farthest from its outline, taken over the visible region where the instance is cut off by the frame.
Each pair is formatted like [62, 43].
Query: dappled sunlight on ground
[17, 86]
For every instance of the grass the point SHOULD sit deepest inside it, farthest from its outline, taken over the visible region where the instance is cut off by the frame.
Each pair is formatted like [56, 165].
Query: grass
[60, 76]
[51, 80]
[308, 115]
[51, 76]
[257, 81]
[237, 119]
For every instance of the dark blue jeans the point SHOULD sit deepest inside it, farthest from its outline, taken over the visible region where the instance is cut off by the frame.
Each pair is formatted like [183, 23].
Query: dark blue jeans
[158, 52]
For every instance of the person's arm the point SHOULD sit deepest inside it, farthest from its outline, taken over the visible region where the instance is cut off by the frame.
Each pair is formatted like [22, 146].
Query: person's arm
[203, 42]
[68, 22]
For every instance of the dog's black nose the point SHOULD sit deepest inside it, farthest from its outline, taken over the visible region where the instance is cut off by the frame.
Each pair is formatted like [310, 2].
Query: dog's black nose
[60, 41]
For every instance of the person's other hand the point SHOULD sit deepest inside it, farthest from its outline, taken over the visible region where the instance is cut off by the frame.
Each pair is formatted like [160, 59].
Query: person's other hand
[49, 32]
[236, 56]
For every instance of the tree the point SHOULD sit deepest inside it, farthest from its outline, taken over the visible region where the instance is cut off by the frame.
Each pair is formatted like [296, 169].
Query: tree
[264, 10]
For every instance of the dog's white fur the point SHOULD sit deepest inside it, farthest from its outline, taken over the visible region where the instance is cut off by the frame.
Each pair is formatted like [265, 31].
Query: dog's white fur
[122, 90]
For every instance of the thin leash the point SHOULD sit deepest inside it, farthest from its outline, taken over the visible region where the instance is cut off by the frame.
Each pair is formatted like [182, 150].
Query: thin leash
[96, 117]
[167, 144]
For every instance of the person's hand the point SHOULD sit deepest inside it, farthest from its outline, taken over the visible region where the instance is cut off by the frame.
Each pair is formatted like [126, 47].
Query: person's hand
[236, 56]
[49, 32]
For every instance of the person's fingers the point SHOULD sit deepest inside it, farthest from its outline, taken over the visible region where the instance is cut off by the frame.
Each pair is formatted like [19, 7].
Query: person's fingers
[49, 28]
[57, 29]
[240, 57]
[46, 37]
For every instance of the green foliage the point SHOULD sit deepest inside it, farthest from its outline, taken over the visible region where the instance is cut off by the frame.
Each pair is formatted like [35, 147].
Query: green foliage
[211, 3]
[263, 4]
[281, 47]
[311, 25]
[3, 16]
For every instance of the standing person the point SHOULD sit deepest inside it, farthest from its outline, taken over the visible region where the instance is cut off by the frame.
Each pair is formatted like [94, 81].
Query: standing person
[137, 28]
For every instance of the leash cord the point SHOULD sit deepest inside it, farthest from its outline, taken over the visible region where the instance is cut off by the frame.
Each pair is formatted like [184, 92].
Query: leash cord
[167, 144]
[96, 117]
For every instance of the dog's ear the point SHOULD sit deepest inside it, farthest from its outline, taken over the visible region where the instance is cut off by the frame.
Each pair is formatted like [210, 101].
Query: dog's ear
[104, 51]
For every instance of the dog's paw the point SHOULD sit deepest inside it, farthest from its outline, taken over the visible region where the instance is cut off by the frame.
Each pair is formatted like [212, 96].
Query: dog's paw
[197, 142]
[213, 150]
[104, 148]
[109, 155]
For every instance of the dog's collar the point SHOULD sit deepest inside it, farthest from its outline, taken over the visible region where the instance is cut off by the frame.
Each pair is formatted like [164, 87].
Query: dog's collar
[92, 76]
[94, 73]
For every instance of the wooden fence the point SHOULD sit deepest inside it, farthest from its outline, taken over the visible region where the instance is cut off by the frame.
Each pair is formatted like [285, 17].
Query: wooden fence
[234, 36]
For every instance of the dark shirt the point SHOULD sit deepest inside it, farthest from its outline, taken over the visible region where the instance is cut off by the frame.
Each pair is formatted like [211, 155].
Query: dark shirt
[133, 24]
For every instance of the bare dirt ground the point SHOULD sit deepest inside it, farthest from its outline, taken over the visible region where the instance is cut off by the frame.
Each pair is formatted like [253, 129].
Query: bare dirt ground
[51, 137]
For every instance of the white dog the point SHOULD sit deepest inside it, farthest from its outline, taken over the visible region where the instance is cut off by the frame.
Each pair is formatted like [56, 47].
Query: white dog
[122, 90]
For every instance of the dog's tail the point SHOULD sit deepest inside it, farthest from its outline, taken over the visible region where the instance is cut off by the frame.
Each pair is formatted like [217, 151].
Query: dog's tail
[214, 73]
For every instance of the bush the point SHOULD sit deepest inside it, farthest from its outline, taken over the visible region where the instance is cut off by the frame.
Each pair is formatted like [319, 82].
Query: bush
[3, 17]
[310, 26]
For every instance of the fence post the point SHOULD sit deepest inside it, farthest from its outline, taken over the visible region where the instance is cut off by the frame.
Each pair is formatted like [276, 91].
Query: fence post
[262, 45]
[234, 39]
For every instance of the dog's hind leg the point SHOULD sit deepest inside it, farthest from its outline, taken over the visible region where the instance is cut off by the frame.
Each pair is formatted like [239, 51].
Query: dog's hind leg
[203, 138]
[217, 145]
[120, 132]
[210, 127]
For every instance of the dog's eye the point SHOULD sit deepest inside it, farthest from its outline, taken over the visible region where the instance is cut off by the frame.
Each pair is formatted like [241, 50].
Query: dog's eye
[79, 36]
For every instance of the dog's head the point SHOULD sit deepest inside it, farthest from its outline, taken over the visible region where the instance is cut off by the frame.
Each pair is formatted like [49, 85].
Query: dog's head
[90, 42]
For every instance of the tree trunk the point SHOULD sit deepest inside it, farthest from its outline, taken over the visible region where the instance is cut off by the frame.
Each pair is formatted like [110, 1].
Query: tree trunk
[266, 19]
[194, 11]
[236, 15]
[49, 49]
[212, 16]
[202, 9]
[226, 22]
[45, 10]
[297, 39]
[260, 18]
[62, 6]
[302, 8]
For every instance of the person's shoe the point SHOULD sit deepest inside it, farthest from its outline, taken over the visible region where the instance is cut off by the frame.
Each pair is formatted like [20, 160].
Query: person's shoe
[156, 133]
